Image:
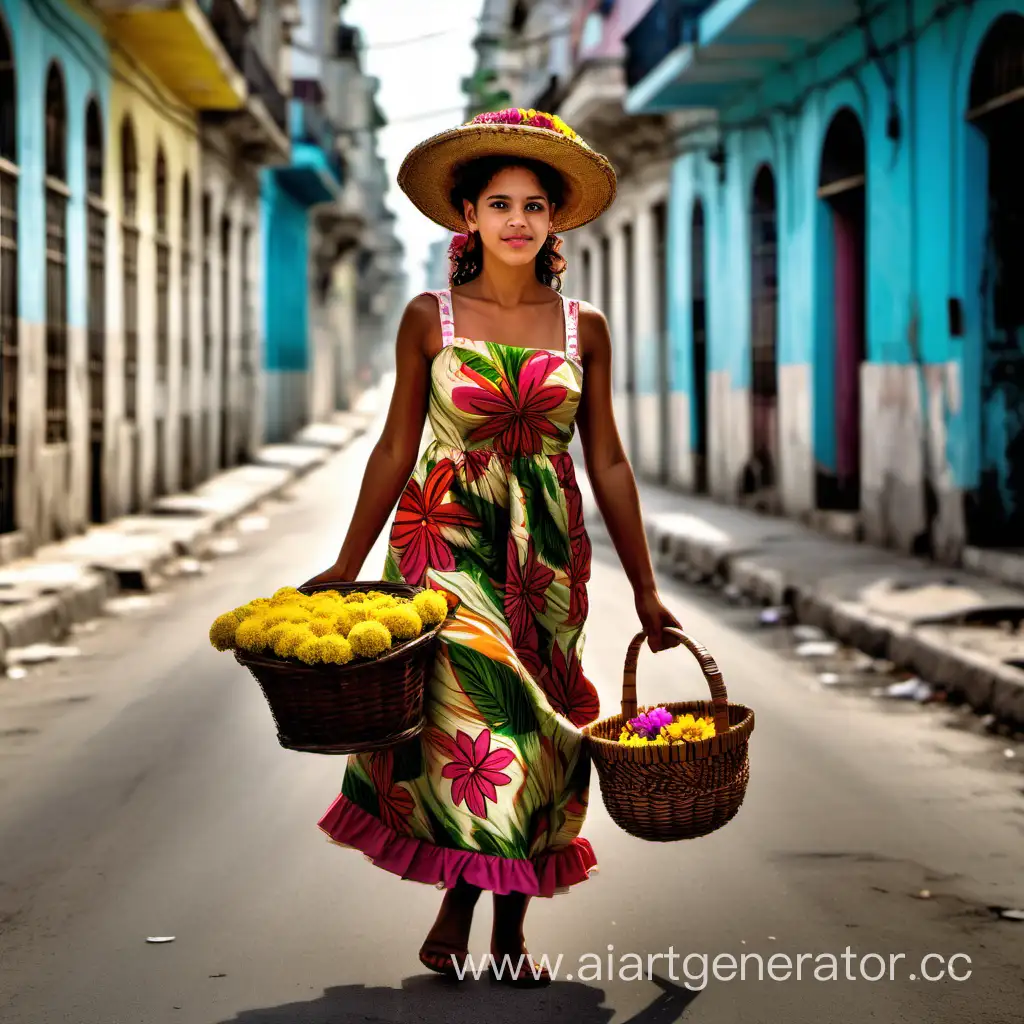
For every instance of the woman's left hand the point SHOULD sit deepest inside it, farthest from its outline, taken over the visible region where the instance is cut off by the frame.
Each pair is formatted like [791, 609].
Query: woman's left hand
[654, 617]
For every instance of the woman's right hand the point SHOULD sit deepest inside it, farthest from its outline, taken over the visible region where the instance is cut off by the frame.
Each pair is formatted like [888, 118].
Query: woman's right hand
[332, 575]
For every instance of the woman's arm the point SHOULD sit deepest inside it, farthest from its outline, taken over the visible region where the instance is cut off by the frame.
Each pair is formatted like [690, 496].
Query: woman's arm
[394, 456]
[611, 477]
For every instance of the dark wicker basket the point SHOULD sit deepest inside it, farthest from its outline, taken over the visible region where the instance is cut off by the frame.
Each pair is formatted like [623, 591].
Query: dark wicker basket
[348, 709]
[680, 791]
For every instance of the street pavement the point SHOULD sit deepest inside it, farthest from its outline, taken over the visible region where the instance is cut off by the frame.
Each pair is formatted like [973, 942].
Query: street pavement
[143, 793]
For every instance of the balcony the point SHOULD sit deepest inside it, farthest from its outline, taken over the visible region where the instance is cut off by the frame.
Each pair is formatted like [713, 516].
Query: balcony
[314, 174]
[190, 45]
[260, 125]
[684, 55]
[593, 99]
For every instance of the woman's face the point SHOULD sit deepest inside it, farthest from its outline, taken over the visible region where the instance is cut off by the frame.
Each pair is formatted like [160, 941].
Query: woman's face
[513, 216]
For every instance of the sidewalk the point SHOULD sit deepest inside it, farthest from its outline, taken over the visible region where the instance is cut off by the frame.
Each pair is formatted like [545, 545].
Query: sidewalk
[960, 631]
[67, 583]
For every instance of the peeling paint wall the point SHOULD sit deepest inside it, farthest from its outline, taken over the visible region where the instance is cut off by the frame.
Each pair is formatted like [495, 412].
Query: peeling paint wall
[929, 432]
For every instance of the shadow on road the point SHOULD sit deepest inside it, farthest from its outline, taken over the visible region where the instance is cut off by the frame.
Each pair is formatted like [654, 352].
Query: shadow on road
[433, 999]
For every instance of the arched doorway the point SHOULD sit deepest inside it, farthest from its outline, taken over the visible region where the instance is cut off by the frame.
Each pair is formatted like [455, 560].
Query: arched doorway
[163, 322]
[96, 242]
[8, 285]
[995, 515]
[760, 477]
[57, 195]
[130, 292]
[698, 329]
[842, 348]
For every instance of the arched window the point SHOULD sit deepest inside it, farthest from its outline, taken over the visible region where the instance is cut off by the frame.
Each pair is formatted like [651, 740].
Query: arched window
[247, 344]
[56, 131]
[187, 472]
[998, 77]
[130, 266]
[764, 297]
[96, 233]
[699, 340]
[206, 246]
[226, 389]
[163, 318]
[8, 283]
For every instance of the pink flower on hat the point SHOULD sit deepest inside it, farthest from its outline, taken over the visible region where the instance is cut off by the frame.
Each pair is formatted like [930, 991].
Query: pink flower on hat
[512, 115]
[531, 118]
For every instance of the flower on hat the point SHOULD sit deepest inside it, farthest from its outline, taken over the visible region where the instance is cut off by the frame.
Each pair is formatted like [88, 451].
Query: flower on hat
[529, 117]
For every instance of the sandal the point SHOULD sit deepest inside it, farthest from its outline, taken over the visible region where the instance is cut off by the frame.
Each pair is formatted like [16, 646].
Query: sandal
[534, 976]
[440, 959]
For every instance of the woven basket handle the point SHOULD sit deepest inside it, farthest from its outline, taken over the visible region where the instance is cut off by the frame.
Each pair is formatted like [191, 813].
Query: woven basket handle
[719, 697]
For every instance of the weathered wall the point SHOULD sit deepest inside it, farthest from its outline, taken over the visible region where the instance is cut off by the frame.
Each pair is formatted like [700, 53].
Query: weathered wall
[922, 444]
[52, 479]
[145, 459]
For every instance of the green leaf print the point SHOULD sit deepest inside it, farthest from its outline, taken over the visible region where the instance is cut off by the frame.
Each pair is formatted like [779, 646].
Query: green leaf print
[513, 848]
[444, 831]
[391, 571]
[550, 541]
[495, 689]
[491, 537]
[360, 792]
[467, 562]
[481, 365]
[510, 360]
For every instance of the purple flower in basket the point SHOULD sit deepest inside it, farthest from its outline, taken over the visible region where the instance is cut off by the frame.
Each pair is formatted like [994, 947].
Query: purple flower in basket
[650, 722]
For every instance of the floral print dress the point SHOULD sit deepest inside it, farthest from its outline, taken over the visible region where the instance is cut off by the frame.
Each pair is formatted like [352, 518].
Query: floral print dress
[495, 788]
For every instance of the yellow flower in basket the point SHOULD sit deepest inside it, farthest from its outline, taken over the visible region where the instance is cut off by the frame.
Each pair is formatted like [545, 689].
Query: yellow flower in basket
[327, 627]
[369, 639]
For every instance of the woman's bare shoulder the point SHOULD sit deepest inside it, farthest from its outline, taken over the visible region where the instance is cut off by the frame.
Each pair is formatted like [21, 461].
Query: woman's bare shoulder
[421, 307]
[420, 324]
[595, 336]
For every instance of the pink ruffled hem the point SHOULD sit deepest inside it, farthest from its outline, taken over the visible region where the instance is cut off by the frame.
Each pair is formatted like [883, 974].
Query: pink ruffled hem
[545, 875]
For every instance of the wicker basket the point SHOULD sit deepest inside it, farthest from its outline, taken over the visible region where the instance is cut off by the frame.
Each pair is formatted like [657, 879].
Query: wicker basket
[679, 791]
[348, 709]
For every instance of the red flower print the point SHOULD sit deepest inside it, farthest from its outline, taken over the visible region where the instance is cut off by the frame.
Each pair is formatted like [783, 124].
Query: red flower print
[526, 648]
[395, 803]
[475, 770]
[570, 692]
[421, 514]
[566, 474]
[525, 587]
[579, 575]
[475, 463]
[516, 417]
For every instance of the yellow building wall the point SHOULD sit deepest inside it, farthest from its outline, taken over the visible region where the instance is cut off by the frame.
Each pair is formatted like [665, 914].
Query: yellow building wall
[159, 122]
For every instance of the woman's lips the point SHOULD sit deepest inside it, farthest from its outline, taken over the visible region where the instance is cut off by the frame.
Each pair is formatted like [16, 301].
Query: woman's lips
[517, 241]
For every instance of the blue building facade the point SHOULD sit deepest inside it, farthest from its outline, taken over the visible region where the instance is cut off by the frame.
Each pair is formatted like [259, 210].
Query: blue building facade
[311, 178]
[846, 257]
[54, 65]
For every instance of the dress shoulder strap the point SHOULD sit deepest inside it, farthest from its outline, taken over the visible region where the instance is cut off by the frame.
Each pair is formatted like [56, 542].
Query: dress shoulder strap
[444, 307]
[572, 327]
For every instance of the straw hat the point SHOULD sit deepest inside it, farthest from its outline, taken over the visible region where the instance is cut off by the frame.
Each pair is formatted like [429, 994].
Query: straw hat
[427, 174]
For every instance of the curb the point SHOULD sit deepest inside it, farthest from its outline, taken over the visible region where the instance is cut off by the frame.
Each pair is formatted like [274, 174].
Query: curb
[49, 616]
[987, 684]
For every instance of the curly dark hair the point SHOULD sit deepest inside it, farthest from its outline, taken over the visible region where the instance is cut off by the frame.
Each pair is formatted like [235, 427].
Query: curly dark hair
[470, 181]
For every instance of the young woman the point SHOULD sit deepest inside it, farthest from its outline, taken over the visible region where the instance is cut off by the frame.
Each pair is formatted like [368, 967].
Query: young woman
[493, 793]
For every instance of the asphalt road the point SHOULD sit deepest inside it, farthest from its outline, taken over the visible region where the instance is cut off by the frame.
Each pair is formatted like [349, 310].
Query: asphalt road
[142, 793]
